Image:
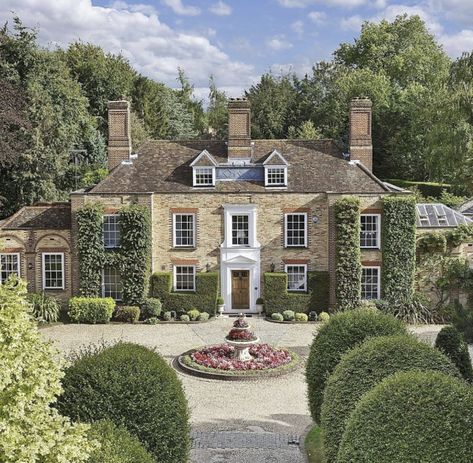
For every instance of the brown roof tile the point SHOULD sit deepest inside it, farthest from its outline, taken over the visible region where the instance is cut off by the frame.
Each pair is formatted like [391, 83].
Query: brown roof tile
[55, 216]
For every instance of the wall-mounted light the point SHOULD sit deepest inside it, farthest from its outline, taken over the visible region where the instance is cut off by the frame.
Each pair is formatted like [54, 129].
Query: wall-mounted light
[272, 267]
[163, 268]
[30, 265]
[207, 267]
[315, 219]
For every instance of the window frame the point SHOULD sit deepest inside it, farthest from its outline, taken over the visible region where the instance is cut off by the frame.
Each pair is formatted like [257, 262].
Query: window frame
[18, 258]
[304, 290]
[43, 271]
[232, 244]
[103, 284]
[378, 231]
[195, 170]
[117, 231]
[378, 286]
[174, 230]
[306, 227]
[174, 279]
[266, 176]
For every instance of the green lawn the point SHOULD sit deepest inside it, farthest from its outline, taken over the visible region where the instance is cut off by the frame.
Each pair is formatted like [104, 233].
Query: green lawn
[314, 446]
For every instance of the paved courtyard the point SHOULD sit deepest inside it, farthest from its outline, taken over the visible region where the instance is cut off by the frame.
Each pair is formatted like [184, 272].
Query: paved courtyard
[257, 421]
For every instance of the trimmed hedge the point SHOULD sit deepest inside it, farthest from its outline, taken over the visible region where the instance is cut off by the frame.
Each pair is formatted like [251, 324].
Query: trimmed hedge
[277, 299]
[117, 445]
[426, 188]
[204, 299]
[127, 314]
[151, 308]
[364, 367]
[450, 341]
[347, 253]
[91, 309]
[411, 417]
[134, 387]
[342, 332]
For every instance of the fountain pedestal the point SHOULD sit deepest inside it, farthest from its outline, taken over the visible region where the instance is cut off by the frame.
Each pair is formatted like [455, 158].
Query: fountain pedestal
[242, 349]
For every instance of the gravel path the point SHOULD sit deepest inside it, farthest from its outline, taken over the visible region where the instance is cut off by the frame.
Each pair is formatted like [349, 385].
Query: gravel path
[232, 422]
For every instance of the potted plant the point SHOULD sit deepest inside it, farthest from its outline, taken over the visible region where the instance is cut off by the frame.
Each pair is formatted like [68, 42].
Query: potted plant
[220, 305]
[259, 305]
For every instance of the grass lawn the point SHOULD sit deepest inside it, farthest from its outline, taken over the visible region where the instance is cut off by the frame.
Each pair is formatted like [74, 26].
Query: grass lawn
[314, 447]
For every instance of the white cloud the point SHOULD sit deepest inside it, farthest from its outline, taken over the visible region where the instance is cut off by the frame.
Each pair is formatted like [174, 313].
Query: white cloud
[298, 27]
[179, 8]
[459, 10]
[317, 17]
[456, 44]
[278, 43]
[221, 9]
[153, 48]
[353, 23]
[134, 7]
[335, 3]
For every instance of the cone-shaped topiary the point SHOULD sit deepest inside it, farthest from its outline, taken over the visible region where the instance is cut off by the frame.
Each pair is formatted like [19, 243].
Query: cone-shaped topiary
[342, 332]
[362, 368]
[411, 417]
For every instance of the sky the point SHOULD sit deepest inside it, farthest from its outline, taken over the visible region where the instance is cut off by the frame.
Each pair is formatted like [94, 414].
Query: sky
[235, 40]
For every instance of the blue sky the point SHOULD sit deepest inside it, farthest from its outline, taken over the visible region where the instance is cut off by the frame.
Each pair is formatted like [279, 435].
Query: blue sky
[236, 40]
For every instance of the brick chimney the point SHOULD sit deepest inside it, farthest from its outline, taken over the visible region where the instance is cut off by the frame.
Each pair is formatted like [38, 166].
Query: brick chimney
[239, 129]
[361, 146]
[119, 139]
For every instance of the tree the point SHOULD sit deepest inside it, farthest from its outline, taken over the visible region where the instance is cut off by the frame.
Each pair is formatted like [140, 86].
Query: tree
[31, 430]
[217, 111]
[306, 131]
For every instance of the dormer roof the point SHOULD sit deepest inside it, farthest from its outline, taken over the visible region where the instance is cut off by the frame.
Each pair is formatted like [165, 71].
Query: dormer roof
[204, 159]
[275, 158]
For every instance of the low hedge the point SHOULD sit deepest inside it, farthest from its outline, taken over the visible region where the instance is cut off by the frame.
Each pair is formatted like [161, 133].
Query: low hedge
[117, 445]
[127, 314]
[151, 307]
[450, 341]
[134, 387]
[91, 309]
[204, 299]
[277, 299]
[411, 417]
[342, 332]
[364, 367]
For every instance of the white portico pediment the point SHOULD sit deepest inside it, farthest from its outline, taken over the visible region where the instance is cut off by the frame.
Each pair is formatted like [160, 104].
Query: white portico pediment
[241, 260]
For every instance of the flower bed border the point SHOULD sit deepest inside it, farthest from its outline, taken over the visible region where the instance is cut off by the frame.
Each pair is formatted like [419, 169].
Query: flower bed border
[194, 369]
[292, 322]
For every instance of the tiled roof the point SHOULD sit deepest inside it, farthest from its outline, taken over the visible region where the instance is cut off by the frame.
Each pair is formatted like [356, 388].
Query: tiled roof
[314, 166]
[467, 207]
[55, 216]
[437, 215]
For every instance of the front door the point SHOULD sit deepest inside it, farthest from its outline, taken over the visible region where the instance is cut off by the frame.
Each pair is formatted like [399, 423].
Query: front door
[240, 289]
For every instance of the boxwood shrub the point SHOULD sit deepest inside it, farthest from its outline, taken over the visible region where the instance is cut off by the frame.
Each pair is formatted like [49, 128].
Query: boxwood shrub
[117, 445]
[151, 307]
[127, 314]
[134, 387]
[450, 341]
[342, 332]
[91, 309]
[365, 366]
[411, 417]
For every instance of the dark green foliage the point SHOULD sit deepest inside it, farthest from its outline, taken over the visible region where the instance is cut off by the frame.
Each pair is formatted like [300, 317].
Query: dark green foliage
[127, 314]
[364, 367]
[90, 249]
[278, 299]
[416, 310]
[151, 307]
[427, 189]
[203, 299]
[348, 255]
[411, 417]
[91, 309]
[45, 309]
[450, 341]
[431, 242]
[135, 249]
[463, 321]
[399, 248]
[342, 332]
[134, 387]
[117, 445]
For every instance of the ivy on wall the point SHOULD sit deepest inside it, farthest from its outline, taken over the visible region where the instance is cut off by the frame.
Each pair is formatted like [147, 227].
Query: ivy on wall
[347, 254]
[399, 247]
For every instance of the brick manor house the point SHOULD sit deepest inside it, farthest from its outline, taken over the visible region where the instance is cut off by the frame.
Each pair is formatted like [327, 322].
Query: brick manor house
[239, 207]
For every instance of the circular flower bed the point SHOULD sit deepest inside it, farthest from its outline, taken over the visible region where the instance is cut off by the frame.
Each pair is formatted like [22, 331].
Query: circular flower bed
[238, 334]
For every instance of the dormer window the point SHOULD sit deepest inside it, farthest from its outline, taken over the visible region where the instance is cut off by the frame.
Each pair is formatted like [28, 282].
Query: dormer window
[204, 176]
[275, 176]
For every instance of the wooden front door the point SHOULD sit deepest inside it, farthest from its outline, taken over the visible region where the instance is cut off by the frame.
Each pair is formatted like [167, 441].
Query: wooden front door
[240, 289]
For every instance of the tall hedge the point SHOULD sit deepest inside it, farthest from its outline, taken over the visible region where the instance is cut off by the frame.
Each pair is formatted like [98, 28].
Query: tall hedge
[344, 331]
[399, 247]
[348, 254]
[364, 367]
[278, 299]
[411, 417]
[133, 387]
[204, 298]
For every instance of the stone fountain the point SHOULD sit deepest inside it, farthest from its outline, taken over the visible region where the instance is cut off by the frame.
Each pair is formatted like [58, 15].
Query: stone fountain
[241, 339]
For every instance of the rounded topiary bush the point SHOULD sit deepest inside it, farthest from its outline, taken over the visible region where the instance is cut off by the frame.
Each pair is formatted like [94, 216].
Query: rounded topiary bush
[134, 387]
[450, 341]
[411, 417]
[117, 445]
[342, 332]
[364, 367]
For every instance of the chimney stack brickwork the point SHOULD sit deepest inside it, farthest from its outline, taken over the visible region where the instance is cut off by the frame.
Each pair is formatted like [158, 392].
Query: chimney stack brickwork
[239, 129]
[361, 145]
[119, 138]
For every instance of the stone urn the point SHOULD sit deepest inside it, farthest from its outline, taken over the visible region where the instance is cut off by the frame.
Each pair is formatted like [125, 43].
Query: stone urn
[241, 339]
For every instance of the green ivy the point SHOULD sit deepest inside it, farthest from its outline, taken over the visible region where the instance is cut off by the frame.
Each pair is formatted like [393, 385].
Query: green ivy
[399, 247]
[348, 254]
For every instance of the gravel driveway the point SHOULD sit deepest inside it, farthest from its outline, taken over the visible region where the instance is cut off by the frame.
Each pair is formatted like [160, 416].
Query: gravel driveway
[232, 422]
